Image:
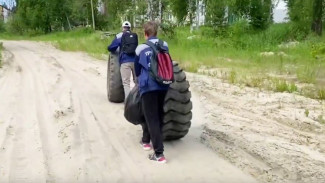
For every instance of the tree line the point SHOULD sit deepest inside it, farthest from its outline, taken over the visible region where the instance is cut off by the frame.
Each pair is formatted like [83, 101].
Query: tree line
[44, 16]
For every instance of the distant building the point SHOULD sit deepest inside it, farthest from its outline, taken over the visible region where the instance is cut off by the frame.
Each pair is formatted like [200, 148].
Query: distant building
[4, 13]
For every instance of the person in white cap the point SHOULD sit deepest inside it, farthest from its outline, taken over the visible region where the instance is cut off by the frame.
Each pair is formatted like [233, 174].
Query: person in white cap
[125, 44]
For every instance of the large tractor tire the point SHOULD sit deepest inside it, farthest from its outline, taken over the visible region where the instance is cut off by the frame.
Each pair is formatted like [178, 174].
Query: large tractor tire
[115, 90]
[177, 107]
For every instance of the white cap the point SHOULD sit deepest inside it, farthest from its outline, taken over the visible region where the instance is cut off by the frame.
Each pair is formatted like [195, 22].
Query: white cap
[126, 24]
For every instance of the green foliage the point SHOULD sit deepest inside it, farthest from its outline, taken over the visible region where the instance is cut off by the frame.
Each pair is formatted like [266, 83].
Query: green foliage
[2, 26]
[215, 12]
[260, 13]
[15, 26]
[207, 31]
[318, 51]
[321, 94]
[255, 82]
[300, 13]
[243, 37]
[179, 8]
[234, 16]
[241, 7]
[38, 16]
[168, 29]
[239, 28]
[307, 74]
[182, 8]
[223, 12]
[232, 76]
[306, 112]
[293, 88]
[318, 7]
[117, 9]
[283, 86]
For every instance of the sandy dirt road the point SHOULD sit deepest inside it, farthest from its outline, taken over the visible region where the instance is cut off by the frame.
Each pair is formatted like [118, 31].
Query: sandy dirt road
[56, 125]
[276, 137]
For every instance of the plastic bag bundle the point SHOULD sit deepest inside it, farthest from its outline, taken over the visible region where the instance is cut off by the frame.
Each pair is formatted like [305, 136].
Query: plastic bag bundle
[133, 109]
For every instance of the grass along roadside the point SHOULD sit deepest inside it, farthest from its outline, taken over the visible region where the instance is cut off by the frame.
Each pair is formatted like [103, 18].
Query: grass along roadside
[269, 60]
[85, 40]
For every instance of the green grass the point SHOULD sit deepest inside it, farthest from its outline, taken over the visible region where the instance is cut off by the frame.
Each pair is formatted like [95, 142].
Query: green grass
[321, 94]
[85, 40]
[237, 53]
[284, 86]
[232, 77]
[80, 40]
[241, 55]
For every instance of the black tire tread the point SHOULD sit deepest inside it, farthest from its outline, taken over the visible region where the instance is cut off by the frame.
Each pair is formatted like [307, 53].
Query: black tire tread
[179, 77]
[174, 135]
[183, 108]
[177, 117]
[180, 86]
[176, 126]
[115, 90]
[177, 107]
[173, 94]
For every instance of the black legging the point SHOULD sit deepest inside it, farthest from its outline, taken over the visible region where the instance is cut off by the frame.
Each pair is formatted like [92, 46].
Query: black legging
[152, 106]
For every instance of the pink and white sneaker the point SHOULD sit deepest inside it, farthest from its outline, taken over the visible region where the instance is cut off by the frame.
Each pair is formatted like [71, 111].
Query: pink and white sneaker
[145, 146]
[158, 158]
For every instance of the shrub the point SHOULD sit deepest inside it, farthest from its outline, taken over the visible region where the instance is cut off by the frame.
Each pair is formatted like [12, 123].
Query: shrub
[283, 86]
[2, 26]
[207, 32]
[318, 50]
[167, 29]
[239, 28]
[15, 26]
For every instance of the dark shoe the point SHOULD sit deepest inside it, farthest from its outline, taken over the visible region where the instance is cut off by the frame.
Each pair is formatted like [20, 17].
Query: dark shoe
[158, 158]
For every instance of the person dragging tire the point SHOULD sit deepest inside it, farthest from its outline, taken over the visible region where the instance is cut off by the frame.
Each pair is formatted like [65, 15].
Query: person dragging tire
[125, 44]
[152, 92]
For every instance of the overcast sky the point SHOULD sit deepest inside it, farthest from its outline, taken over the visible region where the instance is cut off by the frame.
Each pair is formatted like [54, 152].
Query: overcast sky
[281, 5]
[280, 13]
[8, 2]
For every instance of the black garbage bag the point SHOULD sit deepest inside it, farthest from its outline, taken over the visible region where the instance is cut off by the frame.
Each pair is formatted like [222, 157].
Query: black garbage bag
[133, 109]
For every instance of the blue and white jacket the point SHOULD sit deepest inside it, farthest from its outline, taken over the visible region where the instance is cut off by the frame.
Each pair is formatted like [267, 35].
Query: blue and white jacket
[115, 48]
[142, 66]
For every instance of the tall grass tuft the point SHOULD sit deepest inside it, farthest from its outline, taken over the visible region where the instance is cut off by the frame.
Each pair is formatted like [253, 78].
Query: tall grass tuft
[232, 77]
[321, 94]
[307, 74]
[283, 86]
